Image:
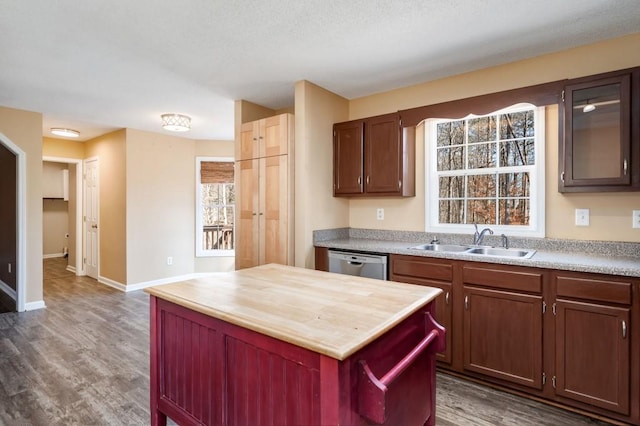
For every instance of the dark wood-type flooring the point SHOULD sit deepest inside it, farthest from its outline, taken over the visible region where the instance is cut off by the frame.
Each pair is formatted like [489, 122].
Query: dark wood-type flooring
[84, 360]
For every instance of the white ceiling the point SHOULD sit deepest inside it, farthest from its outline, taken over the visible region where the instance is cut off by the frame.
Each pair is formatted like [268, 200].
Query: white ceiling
[100, 65]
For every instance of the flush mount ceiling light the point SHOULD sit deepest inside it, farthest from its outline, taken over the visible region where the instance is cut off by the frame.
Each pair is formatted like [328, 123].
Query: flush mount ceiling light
[70, 133]
[176, 122]
[588, 107]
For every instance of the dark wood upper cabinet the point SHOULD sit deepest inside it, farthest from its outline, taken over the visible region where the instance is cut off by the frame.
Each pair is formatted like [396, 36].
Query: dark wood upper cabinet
[373, 157]
[348, 151]
[599, 148]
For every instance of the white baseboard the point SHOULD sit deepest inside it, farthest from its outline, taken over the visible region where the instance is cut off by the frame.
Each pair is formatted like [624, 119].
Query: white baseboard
[51, 256]
[168, 280]
[139, 286]
[112, 283]
[4, 287]
[71, 269]
[32, 306]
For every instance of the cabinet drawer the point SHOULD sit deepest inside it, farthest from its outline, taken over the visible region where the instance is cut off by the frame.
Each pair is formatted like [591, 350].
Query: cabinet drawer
[509, 279]
[590, 288]
[419, 267]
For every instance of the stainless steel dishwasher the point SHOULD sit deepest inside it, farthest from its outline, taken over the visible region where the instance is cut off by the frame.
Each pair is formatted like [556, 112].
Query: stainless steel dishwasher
[362, 265]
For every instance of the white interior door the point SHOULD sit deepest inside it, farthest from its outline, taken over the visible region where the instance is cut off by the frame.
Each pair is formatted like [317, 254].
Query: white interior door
[91, 246]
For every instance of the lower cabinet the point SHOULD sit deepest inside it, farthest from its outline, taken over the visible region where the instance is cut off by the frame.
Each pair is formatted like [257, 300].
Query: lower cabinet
[593, 342]
[432, 273]
[503, 316]
[571, 338]
[503, 335]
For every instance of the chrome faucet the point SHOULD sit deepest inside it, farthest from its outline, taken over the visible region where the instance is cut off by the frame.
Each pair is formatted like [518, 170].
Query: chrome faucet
[505, 241]
[479, 236]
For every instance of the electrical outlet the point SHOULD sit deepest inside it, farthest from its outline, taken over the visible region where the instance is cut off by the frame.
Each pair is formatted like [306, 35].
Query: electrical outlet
[169, 260]
[636, 219]
[380, 214]
[582, 217]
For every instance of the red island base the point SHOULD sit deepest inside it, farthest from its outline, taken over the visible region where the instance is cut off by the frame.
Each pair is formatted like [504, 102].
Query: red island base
[208, 371]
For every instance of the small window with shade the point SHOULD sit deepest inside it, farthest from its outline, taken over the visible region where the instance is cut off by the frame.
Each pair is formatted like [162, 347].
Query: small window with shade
[215, 207]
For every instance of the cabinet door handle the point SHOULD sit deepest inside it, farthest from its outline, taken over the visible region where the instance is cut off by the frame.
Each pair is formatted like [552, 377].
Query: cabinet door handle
[359, 181]
[399, 184]
[367, 179]
[446, 298]
[624, 329]
[466, 302]
[624, 166]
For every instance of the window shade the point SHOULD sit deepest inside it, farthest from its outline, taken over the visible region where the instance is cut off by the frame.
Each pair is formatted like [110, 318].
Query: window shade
[216, 172]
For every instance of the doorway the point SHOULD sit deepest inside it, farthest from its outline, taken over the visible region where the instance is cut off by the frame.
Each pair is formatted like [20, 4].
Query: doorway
[74, 197]
[13, 222]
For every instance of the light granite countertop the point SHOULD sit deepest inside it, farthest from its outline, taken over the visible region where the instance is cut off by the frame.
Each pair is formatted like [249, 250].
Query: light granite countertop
[582, 256]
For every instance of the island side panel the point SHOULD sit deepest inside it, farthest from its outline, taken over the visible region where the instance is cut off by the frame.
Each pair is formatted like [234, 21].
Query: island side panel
[204, 370]
[210, 371]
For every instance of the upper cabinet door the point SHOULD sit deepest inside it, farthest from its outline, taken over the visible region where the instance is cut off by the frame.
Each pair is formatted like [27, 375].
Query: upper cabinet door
[383, 155]
[348, 150]
[373, 157]
[598, 134]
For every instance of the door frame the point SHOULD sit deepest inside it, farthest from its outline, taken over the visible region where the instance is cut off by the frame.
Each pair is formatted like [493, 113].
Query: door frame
[80, 270]
[21, 220]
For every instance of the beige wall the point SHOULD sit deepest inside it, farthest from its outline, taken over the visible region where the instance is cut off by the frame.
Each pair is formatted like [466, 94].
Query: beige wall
[24, 129]
[160, 206]
[316, 110]
[610, 212]
[62, 148]
[110, 149]
[55, 224]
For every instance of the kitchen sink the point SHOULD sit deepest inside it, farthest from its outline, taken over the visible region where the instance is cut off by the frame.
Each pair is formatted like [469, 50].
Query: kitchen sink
[501, 252]
[480, 251]
[441, 247]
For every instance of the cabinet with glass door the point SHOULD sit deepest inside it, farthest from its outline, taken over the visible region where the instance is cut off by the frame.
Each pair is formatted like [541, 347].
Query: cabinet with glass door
[600, 147]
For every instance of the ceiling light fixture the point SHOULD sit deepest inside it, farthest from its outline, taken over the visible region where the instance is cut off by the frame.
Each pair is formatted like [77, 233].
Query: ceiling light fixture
[69, 133]
[176, 122]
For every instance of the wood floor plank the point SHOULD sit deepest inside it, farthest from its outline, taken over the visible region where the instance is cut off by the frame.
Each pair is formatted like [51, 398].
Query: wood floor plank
[84, 360]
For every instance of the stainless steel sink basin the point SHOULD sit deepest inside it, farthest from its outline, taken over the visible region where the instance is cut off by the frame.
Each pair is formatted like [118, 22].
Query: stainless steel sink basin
[480, 251]
[501, 252]
[441, 247]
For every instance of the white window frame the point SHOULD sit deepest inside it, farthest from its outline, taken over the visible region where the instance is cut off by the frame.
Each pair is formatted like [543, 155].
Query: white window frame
[536, 227]
[200, 252]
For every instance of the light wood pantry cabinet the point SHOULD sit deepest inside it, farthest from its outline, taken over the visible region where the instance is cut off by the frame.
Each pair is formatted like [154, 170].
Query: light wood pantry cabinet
[593, 334]
[372, 157]
[265, 138]
[600, 147]
[264, 192]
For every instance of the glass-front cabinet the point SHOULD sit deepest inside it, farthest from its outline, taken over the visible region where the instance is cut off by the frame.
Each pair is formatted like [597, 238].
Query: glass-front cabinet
[599, 146]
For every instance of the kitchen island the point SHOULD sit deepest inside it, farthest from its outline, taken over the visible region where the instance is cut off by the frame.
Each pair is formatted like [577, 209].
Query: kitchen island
[283, 345]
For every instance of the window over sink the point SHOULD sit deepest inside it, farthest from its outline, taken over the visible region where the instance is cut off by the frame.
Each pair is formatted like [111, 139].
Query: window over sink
[487, 170]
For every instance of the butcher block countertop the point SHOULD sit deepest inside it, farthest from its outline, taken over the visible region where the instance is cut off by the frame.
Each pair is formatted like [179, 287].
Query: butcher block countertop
[332, 314]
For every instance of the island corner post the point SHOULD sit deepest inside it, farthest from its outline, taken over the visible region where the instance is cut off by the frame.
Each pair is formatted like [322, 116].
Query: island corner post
[210, 370]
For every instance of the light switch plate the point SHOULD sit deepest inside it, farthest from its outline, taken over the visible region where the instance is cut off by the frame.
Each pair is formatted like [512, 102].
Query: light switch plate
[582, 217]
[636, 219]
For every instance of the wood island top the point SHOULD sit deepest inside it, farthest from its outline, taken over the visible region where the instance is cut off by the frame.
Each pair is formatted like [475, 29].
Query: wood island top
[332, 314]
